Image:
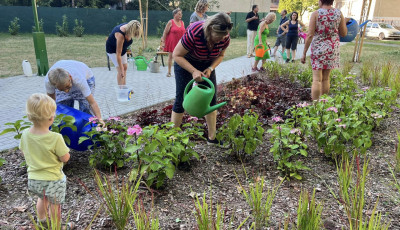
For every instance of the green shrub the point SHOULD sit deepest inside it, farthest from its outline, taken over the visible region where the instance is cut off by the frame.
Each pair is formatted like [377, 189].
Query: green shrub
[124, 19]
[235, 31]
[109, 142]
[41, 23]
[308, 212]
[260, 200]
[159, 150]
[160, 28]
[14, 26]
[78, 28]
[242, 134]
[63, 30]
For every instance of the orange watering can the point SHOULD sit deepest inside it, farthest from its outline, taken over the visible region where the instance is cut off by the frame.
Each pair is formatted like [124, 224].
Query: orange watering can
[260, 51]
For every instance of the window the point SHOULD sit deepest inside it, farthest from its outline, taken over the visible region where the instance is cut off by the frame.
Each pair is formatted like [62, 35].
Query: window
[369, 25]
[375, 25]
[385, 26]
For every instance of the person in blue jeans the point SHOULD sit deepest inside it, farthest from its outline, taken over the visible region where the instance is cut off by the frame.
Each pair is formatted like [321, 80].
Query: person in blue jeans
[291, 27]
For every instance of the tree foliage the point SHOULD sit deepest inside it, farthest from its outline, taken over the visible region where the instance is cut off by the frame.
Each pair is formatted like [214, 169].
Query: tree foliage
[300, 6]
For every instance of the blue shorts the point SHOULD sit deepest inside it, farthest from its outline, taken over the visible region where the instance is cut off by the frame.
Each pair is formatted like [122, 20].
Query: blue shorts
[183, 77]
[69, 98]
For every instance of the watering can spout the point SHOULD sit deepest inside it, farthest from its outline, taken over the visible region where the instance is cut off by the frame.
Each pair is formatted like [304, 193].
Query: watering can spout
[215, 107]
[364, 23]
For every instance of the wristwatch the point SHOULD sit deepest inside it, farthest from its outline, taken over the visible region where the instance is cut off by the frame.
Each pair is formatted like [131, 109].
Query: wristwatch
[211, 68]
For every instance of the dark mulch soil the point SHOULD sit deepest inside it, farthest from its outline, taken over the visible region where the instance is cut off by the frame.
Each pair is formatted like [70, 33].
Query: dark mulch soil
[174, 203]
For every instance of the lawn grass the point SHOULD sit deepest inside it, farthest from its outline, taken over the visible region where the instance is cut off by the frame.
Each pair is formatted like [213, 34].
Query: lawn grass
[386, 41]
[89, 49]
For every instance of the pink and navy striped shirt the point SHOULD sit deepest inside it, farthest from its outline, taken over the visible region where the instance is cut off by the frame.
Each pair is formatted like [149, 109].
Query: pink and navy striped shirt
[195, 42]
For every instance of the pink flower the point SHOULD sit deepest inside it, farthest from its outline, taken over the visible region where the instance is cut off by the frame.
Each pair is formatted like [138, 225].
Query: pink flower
[324, 100]
[113, 131]
[388, 89]
[365, 88]
[302, 105]
[277, 119]
[279, 128]
[338, 120]
[295, 131]
[334, 109]
[134, 130]
[193, 118]
[100, 129]
[342, 126]
[113, 118]
[93, 120]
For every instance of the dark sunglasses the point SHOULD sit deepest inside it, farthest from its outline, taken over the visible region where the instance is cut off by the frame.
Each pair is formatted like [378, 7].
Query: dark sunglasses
[222, 27]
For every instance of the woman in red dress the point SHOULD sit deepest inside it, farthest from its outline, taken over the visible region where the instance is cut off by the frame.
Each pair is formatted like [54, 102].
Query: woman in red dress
[173, 32]
[326, 25]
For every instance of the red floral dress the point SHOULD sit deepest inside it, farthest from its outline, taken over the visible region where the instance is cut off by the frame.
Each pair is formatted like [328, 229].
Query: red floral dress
[173, 36]
[325, 44]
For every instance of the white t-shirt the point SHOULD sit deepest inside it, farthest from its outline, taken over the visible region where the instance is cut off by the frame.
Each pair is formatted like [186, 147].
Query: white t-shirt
[79, 72]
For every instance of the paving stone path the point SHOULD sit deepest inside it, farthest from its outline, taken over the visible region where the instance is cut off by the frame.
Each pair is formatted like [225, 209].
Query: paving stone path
[149, 89]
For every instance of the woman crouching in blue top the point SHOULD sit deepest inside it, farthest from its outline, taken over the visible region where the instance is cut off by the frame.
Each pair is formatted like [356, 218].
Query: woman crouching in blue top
[197, 54]
[118, 42]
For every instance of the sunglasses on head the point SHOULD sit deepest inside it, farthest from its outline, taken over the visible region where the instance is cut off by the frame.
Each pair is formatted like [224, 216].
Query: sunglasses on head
[222, 27]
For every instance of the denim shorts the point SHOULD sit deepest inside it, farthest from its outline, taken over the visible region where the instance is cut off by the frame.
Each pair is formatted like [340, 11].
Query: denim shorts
[52, 190]
[281, 40]
[69, 98]
[183, 77]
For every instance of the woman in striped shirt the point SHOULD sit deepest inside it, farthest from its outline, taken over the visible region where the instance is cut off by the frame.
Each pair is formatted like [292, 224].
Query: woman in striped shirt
[198, 53]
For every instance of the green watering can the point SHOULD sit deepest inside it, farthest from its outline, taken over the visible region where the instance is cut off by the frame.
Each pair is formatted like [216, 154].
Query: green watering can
[141, 63]
[197, 101]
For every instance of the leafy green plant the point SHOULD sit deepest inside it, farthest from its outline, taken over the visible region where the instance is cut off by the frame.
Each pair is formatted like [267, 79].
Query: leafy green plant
[352, 194]
[397, 153]
[159, 150]
[78, 28]
[208, 217]
[117, 197]
[143, 220]
[160, 28]
[41, 23]
[124, 19]
[109, 141]
[287, 147]
[242, 134]
[61, 121]
[234, 33]
[308, 212]
[63, 30]
[259, 202]
[14, 26]
[17, 127]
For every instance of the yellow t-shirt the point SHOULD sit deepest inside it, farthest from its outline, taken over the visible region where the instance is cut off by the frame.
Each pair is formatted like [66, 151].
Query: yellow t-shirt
[41, 154]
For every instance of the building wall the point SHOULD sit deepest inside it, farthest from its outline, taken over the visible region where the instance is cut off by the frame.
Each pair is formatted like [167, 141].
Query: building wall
[387, 8]
[244, 5]
[381, 10]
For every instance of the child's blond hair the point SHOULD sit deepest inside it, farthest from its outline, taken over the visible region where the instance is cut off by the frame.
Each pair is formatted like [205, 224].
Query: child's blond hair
[40, 107]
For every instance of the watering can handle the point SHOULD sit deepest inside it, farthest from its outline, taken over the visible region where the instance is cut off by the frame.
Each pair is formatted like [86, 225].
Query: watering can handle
[191, 82]
[260, 45]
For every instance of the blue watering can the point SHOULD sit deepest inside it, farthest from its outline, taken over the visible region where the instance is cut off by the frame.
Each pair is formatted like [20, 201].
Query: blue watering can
[81, 119]
[352, 30]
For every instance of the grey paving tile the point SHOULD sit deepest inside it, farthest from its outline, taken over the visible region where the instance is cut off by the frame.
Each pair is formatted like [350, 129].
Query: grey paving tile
[149, 89]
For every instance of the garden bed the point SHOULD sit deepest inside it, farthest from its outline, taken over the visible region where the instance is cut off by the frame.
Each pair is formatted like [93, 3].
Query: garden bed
[174, 203]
